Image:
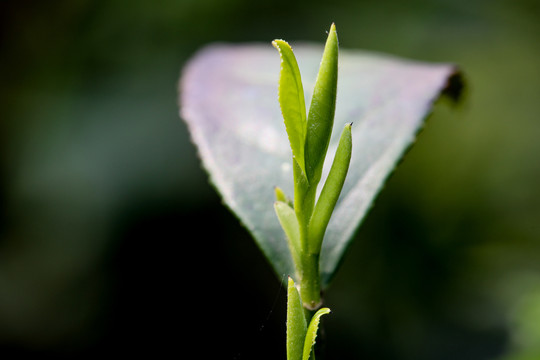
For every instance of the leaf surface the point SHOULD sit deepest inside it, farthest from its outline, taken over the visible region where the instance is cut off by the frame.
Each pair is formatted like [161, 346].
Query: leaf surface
[311, 333]
[228, 99]
[331, 190]
[289, 223]
[322, 109]
[296, 323]
[291, 101]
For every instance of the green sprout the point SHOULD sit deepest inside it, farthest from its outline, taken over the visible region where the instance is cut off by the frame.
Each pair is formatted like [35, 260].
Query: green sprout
[216, 99]
[300, 336]
[305, 220]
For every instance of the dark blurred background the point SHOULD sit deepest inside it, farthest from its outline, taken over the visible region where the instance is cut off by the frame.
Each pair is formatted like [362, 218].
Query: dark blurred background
[113, 242]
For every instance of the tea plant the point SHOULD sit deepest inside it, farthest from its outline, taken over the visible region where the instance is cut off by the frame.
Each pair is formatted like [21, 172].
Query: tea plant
[304, 221]
[228, 101]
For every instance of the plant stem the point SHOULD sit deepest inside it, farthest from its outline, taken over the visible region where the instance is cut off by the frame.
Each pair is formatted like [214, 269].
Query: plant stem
[310, 286]
[304, 201]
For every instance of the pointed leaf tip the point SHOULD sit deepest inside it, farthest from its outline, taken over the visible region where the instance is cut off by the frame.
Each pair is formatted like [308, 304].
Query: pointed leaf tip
[333, 27]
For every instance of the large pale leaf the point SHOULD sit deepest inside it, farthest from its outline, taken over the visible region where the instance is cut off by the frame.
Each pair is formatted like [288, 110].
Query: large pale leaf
[228, 97]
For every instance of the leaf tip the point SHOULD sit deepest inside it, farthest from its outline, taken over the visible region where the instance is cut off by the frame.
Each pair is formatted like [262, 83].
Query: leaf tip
[280, 196]
[333, 27]
[332, 33]
[278, 43]
[290, 283]
[324, 311]
[455, 86]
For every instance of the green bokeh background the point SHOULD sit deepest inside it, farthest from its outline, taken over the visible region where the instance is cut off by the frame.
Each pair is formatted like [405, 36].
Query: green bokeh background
[112, 240]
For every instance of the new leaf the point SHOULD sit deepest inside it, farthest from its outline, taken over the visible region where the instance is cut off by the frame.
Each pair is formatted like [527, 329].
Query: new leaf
[321, 112]
[291, 101]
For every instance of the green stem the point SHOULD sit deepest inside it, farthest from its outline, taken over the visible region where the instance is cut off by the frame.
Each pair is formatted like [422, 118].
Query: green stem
[310, 285]
[304, 201]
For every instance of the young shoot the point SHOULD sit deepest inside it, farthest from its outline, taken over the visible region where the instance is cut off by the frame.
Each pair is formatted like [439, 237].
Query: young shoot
[305, 220]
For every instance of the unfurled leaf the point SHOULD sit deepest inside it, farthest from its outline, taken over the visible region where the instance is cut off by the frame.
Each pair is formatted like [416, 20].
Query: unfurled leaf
[296, 323]
[330, 191]
[228, 99]
[289, 223]
[311, 333]
[322, 109]
[291, 101]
